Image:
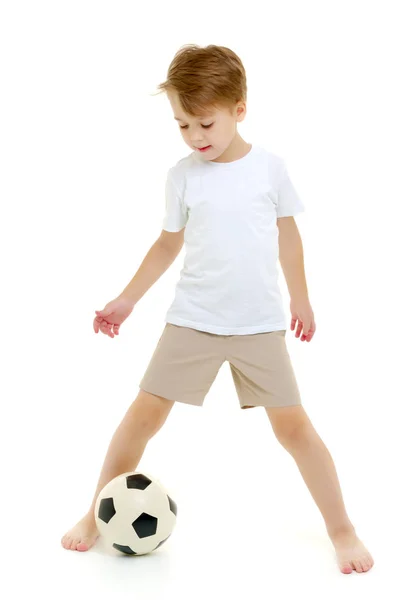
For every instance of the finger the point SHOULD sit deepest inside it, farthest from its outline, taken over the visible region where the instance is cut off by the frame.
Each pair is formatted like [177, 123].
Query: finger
[299, 328]
[310, 335]
[311, 330]
[293, 323]
[306, 330]
[109, 330]
[96, 323]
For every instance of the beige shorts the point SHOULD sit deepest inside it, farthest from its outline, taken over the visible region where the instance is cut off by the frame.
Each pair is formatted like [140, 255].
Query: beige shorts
[186, 361]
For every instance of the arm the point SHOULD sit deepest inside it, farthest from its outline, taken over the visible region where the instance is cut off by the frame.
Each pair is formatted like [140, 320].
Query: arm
[291, 258]
[292, 262]
[158, 259]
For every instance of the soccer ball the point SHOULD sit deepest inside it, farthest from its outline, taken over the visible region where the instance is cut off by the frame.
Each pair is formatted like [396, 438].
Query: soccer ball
[134, 513]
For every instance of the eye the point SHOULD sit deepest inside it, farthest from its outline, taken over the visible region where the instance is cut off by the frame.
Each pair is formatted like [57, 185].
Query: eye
[204, 126]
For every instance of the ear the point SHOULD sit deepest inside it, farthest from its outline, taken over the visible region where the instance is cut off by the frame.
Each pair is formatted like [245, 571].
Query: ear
[241, 111]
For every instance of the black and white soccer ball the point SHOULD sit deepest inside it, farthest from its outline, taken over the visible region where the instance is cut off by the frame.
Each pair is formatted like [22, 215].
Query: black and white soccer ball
[134, 513]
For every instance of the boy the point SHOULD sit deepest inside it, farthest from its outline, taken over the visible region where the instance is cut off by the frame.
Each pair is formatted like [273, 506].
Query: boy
[233, 204]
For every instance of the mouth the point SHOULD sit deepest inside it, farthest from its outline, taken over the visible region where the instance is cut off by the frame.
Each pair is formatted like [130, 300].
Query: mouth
[203, 149]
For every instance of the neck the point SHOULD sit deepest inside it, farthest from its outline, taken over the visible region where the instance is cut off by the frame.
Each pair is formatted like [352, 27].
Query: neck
[236, 150]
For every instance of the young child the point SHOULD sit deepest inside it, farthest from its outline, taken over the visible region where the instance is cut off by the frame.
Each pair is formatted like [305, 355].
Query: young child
[233, 204]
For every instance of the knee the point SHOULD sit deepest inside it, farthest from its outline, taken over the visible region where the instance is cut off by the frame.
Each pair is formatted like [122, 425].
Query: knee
[147, 414]
[290, 424]
[290, 433]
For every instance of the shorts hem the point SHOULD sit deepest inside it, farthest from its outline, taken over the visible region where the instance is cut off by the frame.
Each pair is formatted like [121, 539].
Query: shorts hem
[270, 405]
[154, 393]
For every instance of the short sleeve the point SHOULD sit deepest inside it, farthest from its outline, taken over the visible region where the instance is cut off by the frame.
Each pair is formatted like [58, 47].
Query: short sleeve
[288, 201]
[175, 217]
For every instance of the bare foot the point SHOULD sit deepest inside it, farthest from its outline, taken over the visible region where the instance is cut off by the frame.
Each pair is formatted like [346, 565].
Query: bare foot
[82, 536]
[351, 553]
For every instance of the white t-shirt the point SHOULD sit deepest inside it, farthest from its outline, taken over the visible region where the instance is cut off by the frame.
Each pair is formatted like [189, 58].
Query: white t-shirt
[229, 282]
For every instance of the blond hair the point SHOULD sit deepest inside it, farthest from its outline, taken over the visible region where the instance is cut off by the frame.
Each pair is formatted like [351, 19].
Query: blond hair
[205, 77]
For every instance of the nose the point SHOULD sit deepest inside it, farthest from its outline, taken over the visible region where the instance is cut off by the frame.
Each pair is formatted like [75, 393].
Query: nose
[196, 141]
[195, 138]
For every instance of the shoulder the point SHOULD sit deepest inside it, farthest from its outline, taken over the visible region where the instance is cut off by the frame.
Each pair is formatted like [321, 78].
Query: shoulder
[273, 159]
[183, 167]
[272, 164]
[181, 171]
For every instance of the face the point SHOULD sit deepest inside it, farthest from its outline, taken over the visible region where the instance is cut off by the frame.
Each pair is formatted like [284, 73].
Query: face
[215, 131]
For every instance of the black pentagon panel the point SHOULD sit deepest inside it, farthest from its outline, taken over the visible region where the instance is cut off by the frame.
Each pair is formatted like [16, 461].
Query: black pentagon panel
[106, 509]
[172, 506]
[137, 482]
[162, 542]
[124, 549]
[145, 525]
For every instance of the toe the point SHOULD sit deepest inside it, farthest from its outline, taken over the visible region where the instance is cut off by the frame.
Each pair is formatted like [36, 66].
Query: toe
[83, 546]
[357, 566]
[364, 564]
[74, 544]
[369, 561]
[346, 568]
[67, 542]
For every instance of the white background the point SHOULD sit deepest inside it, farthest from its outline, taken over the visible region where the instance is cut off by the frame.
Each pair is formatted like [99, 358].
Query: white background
[85, 148]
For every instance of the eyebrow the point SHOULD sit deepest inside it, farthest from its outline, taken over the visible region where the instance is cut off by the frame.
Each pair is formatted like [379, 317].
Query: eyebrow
[205, 117]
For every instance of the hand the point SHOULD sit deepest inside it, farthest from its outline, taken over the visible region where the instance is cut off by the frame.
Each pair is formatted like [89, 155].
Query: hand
[112, 315]
[303, 314]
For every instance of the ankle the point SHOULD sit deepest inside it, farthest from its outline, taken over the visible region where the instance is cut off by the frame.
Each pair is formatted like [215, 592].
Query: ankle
[341, 531]
[90, 516]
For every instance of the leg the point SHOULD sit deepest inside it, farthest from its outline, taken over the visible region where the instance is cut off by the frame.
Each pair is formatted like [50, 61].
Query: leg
[143, 419]
[297, 435]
